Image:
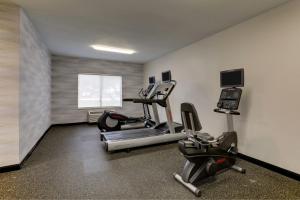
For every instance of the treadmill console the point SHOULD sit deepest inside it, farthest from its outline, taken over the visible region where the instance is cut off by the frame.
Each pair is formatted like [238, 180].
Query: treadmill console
[164, 90]
[230, 98]
[150, 86]
[148, 90]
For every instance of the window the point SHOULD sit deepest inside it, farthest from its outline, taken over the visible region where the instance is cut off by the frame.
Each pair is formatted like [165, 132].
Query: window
[96, 91]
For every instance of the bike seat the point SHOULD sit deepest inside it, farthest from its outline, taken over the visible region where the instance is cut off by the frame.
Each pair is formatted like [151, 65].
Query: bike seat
[189, 148]
[205, 137]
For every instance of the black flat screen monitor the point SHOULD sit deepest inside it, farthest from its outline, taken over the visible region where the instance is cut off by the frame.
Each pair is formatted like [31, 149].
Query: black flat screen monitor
[151, 79]
[166, 76]
[232, 78]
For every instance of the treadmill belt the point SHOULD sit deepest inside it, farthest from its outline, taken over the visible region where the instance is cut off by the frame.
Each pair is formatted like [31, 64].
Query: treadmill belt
[132, 134]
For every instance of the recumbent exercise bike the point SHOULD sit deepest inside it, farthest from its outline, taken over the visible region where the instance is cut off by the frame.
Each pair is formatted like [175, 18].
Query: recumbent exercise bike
[207, 156]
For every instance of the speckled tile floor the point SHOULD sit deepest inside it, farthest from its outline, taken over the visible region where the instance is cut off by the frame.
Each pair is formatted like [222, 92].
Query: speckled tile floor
[70, 163]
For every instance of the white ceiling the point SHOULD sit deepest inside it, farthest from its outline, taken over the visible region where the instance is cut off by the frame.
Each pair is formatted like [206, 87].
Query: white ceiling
[151, 27]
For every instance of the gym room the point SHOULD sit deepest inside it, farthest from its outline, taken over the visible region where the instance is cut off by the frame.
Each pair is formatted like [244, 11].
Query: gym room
[149, 99]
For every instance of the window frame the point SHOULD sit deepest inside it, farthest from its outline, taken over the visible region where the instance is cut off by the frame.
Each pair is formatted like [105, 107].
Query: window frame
[100, 107]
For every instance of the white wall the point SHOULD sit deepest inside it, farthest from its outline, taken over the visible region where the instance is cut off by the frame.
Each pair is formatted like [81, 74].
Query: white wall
[9, 88]
[268, 47]
[35, 86]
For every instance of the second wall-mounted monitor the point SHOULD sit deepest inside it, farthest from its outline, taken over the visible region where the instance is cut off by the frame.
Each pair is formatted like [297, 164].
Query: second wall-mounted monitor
[166, 76]
[232, 78]
[151, 79]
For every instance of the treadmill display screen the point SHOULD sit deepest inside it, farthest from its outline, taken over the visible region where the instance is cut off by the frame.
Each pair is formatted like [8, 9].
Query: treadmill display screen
[151, 79]
[232, 78]
[166, 76]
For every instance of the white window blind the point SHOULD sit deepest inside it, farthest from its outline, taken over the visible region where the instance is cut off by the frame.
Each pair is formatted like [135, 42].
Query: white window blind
[96, 91]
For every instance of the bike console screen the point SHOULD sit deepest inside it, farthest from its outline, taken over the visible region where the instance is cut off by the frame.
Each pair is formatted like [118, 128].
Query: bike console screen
[230, 98]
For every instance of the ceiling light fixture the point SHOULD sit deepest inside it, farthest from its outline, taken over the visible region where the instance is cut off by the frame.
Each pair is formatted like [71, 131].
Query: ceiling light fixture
[112, 49]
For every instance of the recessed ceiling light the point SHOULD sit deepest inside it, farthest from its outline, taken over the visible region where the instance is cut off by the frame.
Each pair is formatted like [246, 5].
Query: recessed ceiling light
[112, 49]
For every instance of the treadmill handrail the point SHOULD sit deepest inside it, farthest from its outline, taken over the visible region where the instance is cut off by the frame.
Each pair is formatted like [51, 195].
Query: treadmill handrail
[128, 99]
[161, 102]
[155, 97]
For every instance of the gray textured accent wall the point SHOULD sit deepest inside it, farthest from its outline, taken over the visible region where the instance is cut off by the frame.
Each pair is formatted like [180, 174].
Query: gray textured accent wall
[35, 86]
[65, 72]
[9, 87]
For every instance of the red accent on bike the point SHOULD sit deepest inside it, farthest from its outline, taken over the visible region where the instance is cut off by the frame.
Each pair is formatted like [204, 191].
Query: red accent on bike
[220, 161]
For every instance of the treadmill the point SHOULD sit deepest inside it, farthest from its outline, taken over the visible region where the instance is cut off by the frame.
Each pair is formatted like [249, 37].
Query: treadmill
[145, 94]
[162, 133]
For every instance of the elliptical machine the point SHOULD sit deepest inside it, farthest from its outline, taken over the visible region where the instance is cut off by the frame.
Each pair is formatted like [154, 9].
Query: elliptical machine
[207, 156]
[113, 121]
